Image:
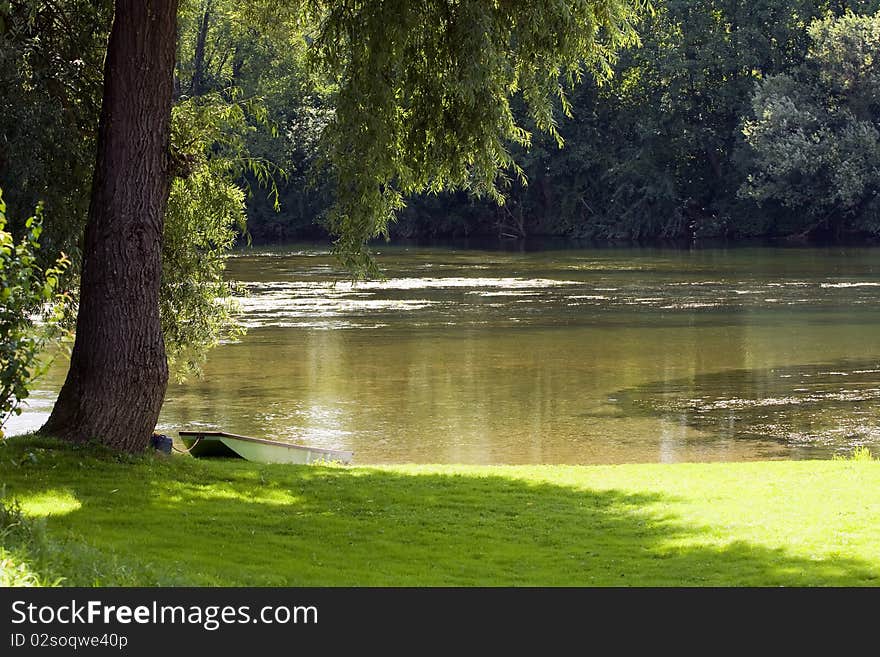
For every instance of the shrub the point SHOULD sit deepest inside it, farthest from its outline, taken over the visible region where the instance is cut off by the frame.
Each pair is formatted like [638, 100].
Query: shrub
[30, 312]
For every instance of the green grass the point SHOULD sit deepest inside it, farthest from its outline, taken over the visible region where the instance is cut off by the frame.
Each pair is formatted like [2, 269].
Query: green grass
[94, 519]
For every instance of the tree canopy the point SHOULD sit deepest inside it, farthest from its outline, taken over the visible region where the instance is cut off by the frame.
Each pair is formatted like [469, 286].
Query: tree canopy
[424, 95]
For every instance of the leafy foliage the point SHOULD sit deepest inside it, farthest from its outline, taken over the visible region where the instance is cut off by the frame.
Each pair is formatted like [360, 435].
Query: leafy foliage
[657, 152]
[206, 210]
[377, 91]
[50, 95]
[51, 73]
[815, 132]
[220, 48]
[424, 96]
[25, 290]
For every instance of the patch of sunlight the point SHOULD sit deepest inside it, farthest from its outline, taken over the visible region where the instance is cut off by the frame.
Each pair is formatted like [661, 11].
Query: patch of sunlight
[16, 572]
[180, 493]
[570, 477]
[53, 502]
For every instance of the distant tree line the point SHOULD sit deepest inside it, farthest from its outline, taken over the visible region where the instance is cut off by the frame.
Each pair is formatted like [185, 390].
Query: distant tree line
[734, 119]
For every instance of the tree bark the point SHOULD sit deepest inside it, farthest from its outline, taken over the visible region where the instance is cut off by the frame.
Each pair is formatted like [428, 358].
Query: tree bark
[118, 371]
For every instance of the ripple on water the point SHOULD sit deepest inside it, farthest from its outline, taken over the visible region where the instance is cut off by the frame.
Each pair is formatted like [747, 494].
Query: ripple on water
[809, 405]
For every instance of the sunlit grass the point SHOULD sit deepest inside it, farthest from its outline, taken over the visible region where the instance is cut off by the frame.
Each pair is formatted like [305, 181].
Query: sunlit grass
[16, 572]
[860, 453]
[179, 521]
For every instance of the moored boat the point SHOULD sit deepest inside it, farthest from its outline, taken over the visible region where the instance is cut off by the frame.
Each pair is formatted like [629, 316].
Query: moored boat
[222, 444]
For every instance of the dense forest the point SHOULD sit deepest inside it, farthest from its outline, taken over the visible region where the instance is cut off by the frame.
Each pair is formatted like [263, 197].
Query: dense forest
[729, 119]
[732, 120]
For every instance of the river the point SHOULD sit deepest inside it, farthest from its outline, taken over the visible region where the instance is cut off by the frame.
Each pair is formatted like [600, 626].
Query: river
[564, 356]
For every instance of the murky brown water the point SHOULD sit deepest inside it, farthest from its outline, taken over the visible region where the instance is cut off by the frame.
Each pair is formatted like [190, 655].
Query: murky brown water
[582, 356]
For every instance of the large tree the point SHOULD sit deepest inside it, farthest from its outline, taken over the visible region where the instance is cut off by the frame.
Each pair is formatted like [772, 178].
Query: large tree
[423, 104]
[118, 370]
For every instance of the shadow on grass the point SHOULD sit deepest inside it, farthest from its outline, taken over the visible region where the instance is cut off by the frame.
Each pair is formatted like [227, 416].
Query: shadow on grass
[235, 523]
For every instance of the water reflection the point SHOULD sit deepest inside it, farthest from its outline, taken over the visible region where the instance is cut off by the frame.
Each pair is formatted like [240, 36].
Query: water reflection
[596, 356]
[833, 405]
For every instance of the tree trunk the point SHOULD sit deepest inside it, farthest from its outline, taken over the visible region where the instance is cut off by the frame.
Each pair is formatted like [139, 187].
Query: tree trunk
[118, 370]
[198, 80]
[237, 64]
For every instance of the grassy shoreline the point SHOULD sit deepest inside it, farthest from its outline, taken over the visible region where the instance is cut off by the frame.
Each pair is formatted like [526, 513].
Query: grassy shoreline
[91, 518]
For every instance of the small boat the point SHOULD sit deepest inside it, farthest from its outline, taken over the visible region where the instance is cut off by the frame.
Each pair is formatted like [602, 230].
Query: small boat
[230, 445]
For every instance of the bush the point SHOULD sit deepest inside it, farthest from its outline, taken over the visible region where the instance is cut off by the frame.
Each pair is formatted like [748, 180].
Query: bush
[30, 311]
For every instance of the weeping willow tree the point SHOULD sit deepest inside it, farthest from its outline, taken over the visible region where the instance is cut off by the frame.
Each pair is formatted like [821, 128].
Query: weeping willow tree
[423, 104]
[205, 213]
[425, 90]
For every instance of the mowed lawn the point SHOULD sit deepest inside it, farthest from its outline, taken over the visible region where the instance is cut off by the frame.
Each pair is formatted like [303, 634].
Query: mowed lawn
[89, 518]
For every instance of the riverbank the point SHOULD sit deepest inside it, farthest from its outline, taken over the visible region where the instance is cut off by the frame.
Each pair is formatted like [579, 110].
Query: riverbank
[89, 518]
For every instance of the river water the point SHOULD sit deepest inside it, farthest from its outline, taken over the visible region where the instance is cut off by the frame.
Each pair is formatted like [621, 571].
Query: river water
[566, 356]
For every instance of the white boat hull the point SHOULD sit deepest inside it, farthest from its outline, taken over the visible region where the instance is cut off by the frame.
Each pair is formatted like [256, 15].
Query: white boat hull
[217, 443]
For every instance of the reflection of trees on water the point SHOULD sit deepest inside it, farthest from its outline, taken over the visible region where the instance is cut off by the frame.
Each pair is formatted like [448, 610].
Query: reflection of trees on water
[813, 409]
